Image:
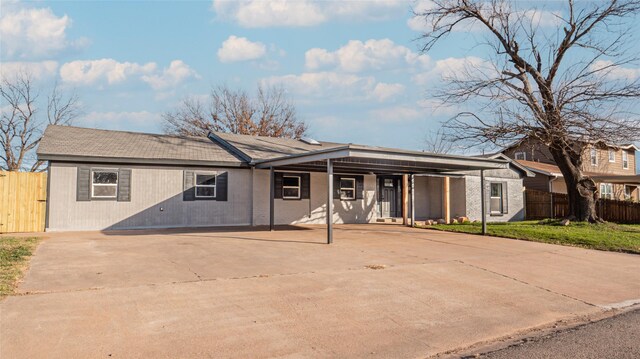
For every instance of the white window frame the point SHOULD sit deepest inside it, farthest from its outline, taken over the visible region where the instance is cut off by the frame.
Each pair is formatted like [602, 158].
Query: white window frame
[93, 184]
[501, 197]
[196, 185]
[524, 156]
[353, 188]
[612, 152]
[625, 160]
[627, 196]
[593, 156]
[298, 187]
[606, 194]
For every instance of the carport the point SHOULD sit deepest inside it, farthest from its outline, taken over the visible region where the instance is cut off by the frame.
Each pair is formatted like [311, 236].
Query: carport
[357, 159]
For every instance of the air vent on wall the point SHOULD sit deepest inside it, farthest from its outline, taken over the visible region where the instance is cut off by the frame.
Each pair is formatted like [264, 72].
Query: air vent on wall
[310, 141]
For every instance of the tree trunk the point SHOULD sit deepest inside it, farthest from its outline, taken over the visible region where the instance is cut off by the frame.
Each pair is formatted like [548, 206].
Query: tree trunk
[581, 190]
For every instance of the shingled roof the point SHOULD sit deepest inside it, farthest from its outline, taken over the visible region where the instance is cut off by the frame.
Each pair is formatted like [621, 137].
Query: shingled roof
[262, 147]
[88, 144]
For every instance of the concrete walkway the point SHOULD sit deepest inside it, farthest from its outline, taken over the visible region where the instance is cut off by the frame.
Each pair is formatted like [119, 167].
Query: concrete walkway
[285, 294]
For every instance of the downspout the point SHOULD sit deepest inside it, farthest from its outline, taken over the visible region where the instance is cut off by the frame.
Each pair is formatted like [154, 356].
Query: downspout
[48, 198]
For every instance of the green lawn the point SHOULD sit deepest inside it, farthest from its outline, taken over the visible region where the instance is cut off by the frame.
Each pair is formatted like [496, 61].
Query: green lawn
[14, 258]
[607, 236]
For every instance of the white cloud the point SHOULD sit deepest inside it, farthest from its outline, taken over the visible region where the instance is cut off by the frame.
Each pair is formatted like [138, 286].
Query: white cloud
[455, 68]
[323, 84]
[111, 72]
[176, 73]
[537, 18]
[240, 49]
[358, 56]
[607, 68]
[34, 32]
[296, 13]
[38, 70]
[342, 87]
[402, 113]
[384, 91]
[88, 72]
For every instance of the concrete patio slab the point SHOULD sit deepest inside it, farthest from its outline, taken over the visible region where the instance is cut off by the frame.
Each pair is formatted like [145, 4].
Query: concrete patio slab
[285, 294]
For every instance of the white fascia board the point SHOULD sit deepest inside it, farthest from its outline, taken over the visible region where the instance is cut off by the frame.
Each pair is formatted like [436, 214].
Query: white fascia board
[476, 163]
[304, 158]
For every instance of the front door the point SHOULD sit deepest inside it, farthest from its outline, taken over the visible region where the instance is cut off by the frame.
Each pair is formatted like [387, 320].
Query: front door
[388, 202]
[389, 193]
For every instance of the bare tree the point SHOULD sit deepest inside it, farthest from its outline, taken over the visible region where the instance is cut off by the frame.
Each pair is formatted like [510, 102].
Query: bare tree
[561, 85]
[21, 126]
[269, 113]
[437, 142]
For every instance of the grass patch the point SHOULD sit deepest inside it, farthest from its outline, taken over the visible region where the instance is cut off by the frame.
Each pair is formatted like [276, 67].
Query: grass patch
[14, 258]
[605, 236]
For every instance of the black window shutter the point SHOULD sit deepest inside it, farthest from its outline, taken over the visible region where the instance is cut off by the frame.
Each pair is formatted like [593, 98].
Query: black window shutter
[278, 185]
[189, 191]
[359, 187]
[83, 187]
[222, 181]
[305, 186]
[336, 187]
[487, 198]
[124, 185]
[505, 198]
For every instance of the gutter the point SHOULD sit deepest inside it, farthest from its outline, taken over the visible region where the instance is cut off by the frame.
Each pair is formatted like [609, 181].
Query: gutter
[140, 161]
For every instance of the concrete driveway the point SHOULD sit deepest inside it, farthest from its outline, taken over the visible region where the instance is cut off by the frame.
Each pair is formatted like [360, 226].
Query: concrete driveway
[285, 294]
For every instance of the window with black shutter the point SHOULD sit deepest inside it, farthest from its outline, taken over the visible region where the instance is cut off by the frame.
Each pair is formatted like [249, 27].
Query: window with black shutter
[205, 185]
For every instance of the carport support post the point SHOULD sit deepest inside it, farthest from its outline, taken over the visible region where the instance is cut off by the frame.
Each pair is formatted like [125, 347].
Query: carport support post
[483, 204]
[446, 206]
[413, 200]
[405, 200]
[329, 202]
[272, 193]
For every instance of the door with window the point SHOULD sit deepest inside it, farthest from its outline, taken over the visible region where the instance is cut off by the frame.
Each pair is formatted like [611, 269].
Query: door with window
[388, 197]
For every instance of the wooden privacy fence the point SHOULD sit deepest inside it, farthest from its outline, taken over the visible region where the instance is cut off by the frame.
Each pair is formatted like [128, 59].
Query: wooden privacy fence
[23, 205]
[540, 205]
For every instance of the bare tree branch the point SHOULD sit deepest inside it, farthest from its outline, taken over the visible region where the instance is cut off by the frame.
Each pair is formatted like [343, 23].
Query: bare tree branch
[269, 113]
[21, 127]
[558, 85]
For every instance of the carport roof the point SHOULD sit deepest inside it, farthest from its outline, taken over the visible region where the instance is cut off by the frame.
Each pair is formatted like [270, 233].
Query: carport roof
[358, 158]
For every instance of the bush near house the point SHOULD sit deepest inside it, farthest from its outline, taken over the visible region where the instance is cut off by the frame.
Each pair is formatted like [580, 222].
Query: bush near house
[14, 257]
[605, 236]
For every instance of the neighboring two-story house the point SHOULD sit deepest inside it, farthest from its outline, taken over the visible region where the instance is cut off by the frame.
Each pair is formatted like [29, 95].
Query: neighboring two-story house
[612, 167]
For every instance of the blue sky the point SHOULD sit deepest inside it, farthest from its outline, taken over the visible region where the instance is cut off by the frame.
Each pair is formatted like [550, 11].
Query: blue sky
[353, 69]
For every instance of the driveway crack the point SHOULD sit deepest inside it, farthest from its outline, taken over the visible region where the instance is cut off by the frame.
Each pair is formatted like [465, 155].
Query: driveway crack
[527, 283]
[189, 269]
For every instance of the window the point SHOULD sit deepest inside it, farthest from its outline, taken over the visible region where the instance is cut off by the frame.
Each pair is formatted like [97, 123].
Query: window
[496, 198]
[521, 156]
[388, 182]
[290, 187]
[347, 188]
[612, 155]
[627, 192]
[606, 190]
[104, 183]
[594, 157]
[205, 185]
[625, 160]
